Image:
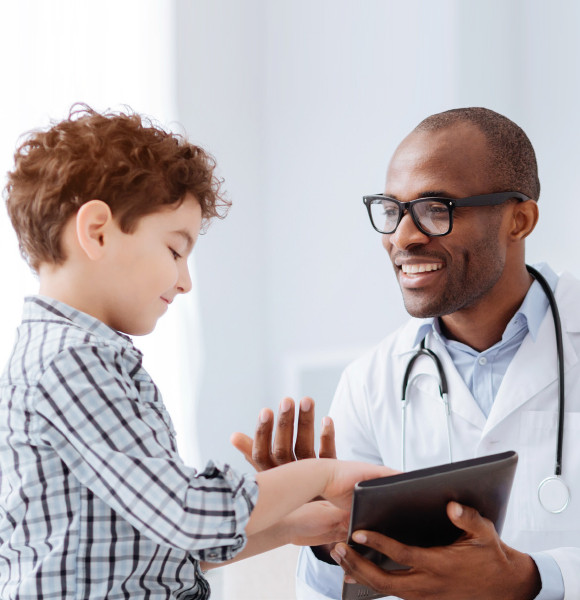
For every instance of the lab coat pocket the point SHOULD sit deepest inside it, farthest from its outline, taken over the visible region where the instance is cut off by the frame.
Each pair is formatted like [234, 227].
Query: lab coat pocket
[538, 438]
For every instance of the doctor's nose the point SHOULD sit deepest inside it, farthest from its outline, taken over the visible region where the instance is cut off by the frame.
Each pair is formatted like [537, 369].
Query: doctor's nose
[406, 235]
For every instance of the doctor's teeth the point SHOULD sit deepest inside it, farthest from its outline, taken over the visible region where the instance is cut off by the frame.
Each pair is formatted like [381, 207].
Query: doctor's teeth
[421, 268]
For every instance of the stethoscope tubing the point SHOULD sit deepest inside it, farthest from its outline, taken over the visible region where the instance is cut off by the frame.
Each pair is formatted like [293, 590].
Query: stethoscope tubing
[560, 353]
[443, 390]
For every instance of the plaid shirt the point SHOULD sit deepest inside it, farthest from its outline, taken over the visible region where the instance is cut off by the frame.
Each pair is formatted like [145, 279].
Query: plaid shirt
[95, 502]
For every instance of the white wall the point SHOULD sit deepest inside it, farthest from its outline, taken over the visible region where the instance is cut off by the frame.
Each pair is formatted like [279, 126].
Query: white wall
[108, 55]
[303, 103]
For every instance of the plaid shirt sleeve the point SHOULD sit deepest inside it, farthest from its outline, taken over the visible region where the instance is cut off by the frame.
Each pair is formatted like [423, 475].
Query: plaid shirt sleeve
[110, 428]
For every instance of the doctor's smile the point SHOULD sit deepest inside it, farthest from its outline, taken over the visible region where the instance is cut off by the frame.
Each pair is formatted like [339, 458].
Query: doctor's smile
[421, 268]
[417, 272]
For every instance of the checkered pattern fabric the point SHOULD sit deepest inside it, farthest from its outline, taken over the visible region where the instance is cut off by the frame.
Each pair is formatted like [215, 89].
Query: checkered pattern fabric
[95, 501]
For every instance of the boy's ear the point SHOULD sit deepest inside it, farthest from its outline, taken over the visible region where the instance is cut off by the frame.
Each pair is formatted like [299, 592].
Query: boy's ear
[93, 222]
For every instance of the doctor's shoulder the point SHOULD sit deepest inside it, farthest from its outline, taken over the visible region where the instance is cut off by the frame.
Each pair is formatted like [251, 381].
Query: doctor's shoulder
[568, 294]
[383, 360]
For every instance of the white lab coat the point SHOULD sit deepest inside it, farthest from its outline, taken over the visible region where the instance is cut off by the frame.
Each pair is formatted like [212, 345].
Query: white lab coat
[367, 414]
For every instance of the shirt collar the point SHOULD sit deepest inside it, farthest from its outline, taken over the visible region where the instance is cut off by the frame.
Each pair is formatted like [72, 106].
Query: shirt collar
[426, 326]
[43, 308]
[532, 309]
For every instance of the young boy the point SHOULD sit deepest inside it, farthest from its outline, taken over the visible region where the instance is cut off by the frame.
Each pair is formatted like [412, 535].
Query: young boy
[94, 499]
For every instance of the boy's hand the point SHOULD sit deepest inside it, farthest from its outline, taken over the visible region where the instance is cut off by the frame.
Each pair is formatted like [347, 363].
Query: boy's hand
[262, 454]
[288, 487]
[317, 523]
[345, 474]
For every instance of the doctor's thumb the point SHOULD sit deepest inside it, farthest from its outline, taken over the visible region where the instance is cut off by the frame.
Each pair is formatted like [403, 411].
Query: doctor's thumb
[467, 519]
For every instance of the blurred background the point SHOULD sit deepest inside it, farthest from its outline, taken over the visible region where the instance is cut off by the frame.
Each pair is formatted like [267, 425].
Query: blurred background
[302, 103]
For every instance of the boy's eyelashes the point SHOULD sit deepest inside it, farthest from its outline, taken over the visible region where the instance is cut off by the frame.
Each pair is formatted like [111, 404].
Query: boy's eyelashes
[175, 254]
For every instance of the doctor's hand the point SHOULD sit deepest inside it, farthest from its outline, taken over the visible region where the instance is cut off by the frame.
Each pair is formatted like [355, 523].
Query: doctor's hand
[478, 566]
[264, 454]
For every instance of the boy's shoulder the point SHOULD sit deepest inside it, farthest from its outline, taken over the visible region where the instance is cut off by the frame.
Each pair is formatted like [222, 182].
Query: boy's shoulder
[51, 329]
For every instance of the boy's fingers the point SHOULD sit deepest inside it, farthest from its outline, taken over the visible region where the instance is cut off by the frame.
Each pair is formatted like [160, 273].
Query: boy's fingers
[327, 445]
[282, 450]
[305, 434]
[261, 455]
[360, 570]
[411, 556]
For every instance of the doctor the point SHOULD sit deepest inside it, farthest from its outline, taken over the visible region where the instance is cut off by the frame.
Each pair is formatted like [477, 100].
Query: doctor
[463, 277]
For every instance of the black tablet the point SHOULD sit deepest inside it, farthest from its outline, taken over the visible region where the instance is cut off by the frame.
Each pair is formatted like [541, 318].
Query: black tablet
[412, 507]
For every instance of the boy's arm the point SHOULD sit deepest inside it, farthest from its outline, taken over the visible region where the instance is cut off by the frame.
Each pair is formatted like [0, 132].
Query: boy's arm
[110, 432]
[313, 523]
[276, 520]
[285, 488]
[112, 437]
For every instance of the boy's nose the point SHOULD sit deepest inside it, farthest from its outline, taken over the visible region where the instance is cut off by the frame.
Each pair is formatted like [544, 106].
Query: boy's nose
[407, 234]
[184, 284]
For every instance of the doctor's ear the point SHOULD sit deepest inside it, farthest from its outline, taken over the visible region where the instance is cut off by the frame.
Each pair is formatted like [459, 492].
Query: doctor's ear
[524, 219]
[93, 222]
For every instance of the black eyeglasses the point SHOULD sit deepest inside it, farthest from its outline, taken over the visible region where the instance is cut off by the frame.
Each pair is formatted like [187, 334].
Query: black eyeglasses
[432, 216]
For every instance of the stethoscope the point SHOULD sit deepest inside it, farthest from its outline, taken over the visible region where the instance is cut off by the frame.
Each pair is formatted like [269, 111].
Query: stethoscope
[553, 493]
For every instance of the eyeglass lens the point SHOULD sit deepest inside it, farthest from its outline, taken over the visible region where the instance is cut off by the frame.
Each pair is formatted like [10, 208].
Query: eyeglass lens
[432, 216]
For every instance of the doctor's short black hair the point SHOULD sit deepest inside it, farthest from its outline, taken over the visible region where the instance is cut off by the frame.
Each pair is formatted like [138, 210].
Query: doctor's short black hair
[513, 160]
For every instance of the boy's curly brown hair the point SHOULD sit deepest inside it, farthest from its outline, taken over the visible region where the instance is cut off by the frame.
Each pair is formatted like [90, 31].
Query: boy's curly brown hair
[121, 158]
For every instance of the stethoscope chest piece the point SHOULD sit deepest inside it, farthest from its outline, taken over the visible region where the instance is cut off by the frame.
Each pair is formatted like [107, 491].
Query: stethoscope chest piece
[553, 494]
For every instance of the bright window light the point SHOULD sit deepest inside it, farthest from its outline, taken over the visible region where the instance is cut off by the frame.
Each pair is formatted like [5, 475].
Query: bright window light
[107, 54]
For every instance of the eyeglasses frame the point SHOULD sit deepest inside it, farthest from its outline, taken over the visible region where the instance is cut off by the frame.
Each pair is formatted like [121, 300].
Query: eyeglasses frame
[451, 203]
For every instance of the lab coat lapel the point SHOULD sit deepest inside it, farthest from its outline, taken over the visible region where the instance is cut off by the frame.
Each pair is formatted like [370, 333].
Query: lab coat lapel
[461, 402]
[535, 365]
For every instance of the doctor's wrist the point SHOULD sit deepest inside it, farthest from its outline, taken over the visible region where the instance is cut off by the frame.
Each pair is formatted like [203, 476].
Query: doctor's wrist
[527, 580]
